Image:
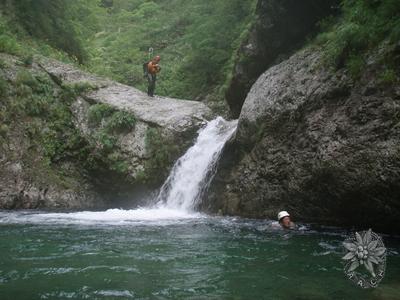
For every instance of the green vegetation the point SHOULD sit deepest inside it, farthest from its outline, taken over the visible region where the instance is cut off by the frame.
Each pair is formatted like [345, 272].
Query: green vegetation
[161, 154]
[106, 122]
[50, 21]
[79, 88]
[110, 119]
[388, 76]
[33, 105]
[31, 100]
[8, 41]
[98, 112]
[363, 26]
[8, 44]
[120, 121]
[194, 61]
[196, 39]
[355, 64]
[17, 33]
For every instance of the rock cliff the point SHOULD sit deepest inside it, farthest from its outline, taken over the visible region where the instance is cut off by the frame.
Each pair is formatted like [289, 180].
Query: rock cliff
[72, 140]
[279, 28]
[318, 143]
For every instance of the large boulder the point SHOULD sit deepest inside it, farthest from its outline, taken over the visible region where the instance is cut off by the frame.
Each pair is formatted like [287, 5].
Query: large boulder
[317, 143]
[173, 122]
[123, 142]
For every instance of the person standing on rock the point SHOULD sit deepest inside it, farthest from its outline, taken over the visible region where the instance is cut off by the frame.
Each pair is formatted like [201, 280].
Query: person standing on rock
[153, 68]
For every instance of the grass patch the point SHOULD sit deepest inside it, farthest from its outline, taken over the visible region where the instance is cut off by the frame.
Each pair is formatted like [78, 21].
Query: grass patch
[98, 112]
[120, 121]
[362, 27]
[355, 64]
[80, 88]
[26, 78]
[8, 44]
[388, 77]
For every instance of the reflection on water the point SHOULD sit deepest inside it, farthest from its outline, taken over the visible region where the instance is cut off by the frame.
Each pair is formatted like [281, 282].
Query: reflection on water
[165, 254]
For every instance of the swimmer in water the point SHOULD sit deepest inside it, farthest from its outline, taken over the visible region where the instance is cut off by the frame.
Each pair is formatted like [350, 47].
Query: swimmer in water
[285, 221]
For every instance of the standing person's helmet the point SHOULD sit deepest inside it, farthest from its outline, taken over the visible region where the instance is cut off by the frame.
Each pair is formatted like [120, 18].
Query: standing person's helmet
[283, 214]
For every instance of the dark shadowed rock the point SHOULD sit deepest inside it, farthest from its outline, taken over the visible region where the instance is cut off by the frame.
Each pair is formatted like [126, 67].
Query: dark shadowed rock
[280, 27]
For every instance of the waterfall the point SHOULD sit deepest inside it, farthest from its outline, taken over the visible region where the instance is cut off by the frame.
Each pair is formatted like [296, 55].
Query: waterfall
[178, 197]
[193, 172]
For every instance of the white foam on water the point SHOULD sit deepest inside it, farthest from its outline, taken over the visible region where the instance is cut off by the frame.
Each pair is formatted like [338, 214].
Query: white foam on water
[110, 216]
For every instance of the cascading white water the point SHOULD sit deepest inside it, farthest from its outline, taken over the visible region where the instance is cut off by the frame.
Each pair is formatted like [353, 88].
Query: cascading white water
[193, 172]
[182, 190]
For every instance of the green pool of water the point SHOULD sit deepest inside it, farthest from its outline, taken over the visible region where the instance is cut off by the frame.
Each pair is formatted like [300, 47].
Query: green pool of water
[189, 258]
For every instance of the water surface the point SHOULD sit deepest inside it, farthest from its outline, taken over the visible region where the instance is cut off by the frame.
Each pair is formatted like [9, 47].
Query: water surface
[167, 254]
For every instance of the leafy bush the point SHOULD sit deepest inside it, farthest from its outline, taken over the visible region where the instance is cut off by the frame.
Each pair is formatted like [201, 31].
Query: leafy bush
[355, 65]
[9, 44]
[105, 141]
[110, 119]
[98, 112]
[34, 94]
[388, 76]
[26, 78]
[120, 120]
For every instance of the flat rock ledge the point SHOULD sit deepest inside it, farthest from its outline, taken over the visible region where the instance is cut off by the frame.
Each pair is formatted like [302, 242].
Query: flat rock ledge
[173, 114]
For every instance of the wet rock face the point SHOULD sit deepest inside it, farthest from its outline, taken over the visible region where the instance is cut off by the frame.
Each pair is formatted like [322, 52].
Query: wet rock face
[279, 28]
[318, 144]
